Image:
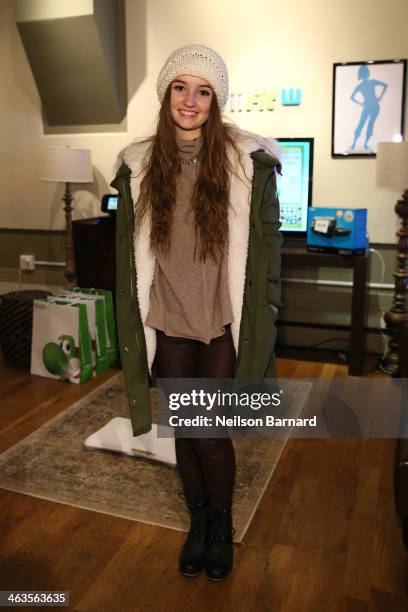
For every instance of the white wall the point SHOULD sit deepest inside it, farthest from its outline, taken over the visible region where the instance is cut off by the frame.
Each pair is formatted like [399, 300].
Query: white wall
[266, 44]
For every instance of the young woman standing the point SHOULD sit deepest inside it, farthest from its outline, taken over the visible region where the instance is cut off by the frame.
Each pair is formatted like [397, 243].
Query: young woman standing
[198, 264]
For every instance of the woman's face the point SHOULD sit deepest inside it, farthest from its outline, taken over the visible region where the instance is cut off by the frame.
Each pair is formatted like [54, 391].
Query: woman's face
[190, 103]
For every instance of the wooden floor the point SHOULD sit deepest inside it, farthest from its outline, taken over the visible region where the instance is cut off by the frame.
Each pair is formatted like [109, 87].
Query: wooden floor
[324, 537]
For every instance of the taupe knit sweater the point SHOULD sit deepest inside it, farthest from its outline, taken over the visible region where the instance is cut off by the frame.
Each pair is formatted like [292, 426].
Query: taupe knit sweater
[189, 299]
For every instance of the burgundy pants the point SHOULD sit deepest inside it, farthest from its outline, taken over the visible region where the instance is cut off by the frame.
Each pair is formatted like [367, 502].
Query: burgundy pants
[206, 465]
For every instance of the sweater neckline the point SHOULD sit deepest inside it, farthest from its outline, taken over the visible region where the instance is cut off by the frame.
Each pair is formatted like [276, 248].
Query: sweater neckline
[189, 148]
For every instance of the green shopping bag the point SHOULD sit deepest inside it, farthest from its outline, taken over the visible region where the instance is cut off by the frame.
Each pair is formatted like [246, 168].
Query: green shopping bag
[111, 338]
[96, 321]
[61, 343]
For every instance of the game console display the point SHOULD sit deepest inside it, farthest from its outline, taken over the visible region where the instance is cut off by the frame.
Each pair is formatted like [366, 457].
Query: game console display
[337, 230]
[294, 187]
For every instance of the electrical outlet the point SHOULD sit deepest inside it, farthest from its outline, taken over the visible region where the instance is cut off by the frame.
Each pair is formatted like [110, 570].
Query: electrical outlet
[27, 262]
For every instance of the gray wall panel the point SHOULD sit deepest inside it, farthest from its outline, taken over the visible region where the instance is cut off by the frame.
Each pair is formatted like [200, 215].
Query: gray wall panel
[79, 65]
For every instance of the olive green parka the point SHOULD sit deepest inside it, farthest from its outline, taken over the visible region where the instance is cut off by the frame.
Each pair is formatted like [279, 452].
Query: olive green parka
[254, 244]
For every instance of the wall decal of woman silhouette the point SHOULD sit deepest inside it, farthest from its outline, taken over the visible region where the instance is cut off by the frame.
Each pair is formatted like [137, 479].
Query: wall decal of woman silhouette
[365, 94]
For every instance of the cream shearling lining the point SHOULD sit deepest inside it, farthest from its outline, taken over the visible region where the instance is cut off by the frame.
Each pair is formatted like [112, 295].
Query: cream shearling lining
[238, 225]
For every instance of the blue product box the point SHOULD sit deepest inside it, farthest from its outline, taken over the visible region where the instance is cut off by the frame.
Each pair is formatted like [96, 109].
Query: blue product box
[337, 230]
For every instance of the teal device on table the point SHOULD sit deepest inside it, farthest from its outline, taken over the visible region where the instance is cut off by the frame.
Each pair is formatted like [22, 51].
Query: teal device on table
[337, 230]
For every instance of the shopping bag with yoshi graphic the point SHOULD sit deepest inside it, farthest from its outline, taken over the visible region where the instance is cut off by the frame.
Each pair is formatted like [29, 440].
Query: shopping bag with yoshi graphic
[61, 343]
[96, 324]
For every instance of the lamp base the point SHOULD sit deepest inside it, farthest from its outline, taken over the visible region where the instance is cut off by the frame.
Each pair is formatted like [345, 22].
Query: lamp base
[396, 317]
[69, 247]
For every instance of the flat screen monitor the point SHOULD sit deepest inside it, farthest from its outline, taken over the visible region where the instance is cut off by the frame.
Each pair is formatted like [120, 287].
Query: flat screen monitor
[295, 185]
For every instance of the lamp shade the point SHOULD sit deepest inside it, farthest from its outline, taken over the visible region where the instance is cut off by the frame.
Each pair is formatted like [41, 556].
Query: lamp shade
[392, 165]
[66, 165]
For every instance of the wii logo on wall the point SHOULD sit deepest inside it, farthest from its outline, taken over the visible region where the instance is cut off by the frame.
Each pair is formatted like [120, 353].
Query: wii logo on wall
[264, 100]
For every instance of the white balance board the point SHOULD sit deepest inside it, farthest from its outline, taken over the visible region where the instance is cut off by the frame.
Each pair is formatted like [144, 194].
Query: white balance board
[117, 435]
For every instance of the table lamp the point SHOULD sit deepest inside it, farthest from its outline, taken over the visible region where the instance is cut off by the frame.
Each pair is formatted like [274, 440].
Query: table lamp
[67, 165]
[392, 172]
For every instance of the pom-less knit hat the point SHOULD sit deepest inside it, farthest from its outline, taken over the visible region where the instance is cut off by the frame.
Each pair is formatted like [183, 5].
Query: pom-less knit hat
[196, 60]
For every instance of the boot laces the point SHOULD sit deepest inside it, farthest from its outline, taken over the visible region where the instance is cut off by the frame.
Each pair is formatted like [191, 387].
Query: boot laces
[197, 511]
[220, 528]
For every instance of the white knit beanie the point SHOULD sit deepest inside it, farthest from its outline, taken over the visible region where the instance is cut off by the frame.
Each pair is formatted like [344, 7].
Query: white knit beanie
[196, 60]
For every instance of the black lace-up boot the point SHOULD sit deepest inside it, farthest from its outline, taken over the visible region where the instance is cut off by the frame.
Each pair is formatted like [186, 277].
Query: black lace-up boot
[219, 558]
[192, 557]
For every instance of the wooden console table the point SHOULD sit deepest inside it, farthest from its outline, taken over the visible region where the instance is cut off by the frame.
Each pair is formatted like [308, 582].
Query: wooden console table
[298, 256]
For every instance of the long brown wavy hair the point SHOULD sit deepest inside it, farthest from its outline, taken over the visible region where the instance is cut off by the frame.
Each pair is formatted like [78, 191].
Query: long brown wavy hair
[211, 192]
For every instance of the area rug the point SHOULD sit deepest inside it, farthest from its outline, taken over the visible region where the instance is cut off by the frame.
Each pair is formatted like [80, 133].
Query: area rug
[52, 463]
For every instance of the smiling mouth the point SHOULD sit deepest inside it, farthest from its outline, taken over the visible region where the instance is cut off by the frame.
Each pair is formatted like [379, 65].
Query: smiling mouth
[187, 114]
